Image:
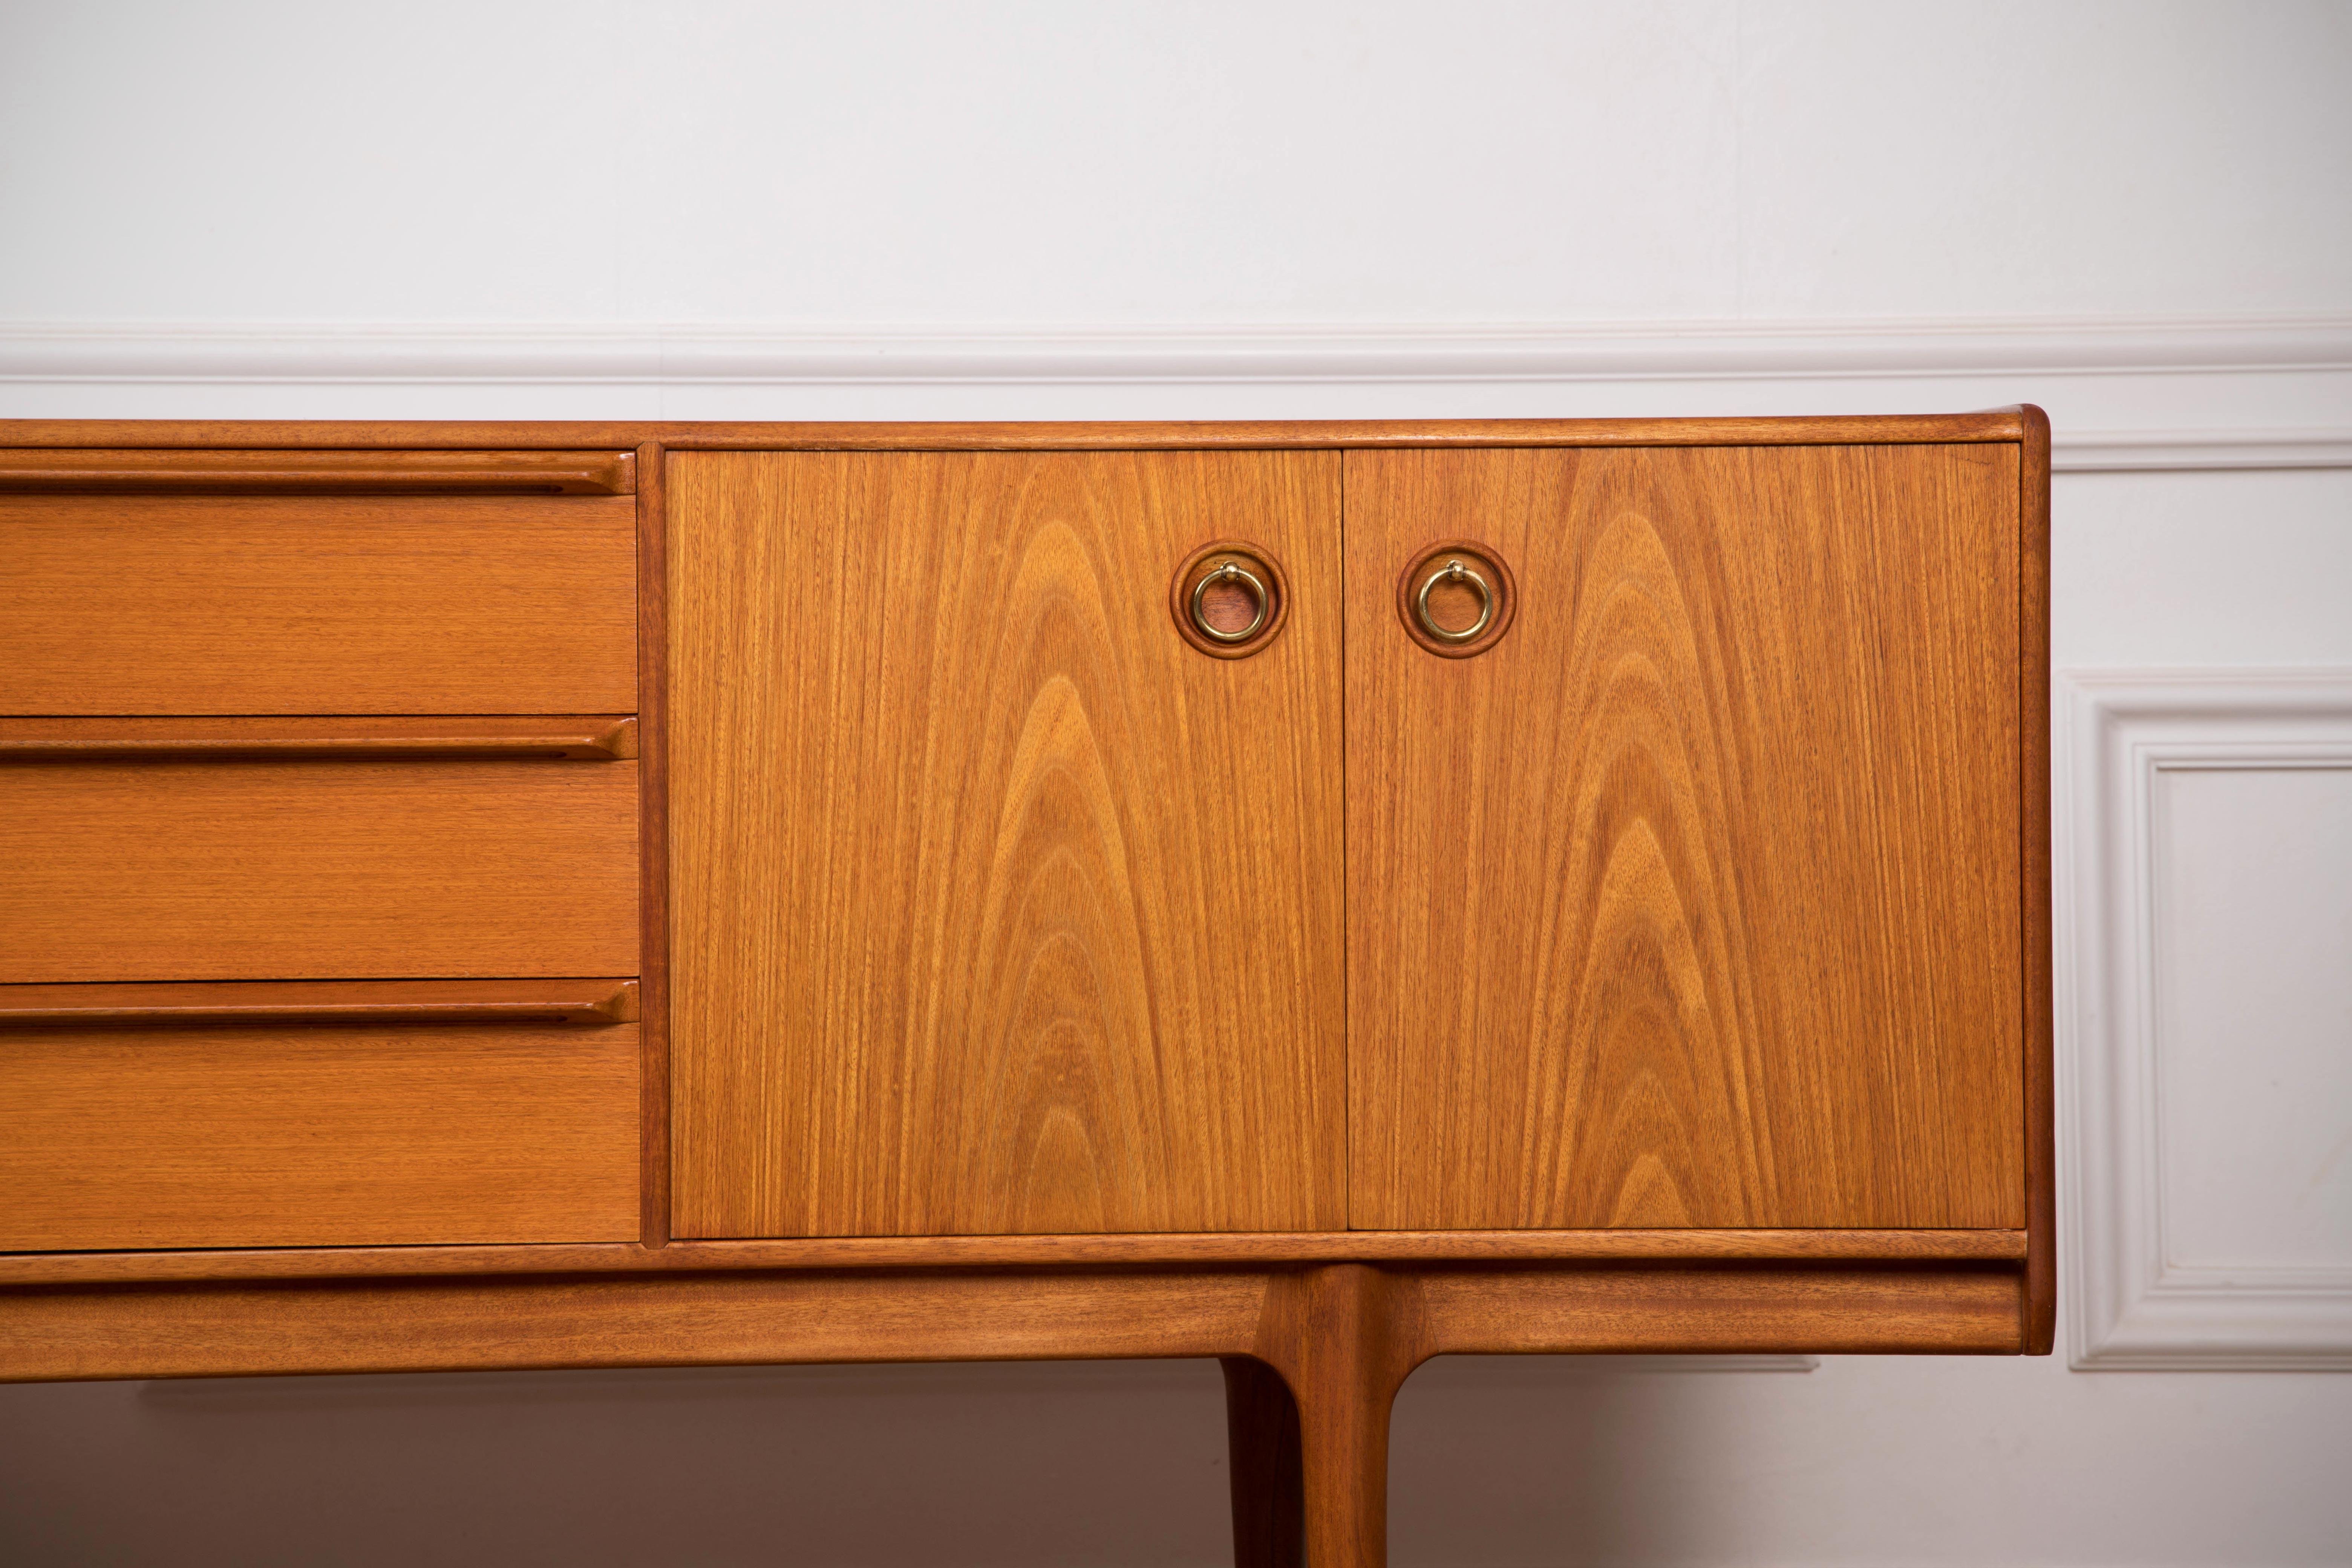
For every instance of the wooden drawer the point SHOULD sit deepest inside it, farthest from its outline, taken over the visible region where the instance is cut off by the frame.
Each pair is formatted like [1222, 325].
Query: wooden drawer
[162, 860]
[246, 582]
[316, 1115]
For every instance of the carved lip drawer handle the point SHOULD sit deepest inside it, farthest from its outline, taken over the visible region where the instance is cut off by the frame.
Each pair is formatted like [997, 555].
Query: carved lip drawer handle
[263, 1003]
[1456, 572]
[1230, 571]
[367, 738]
[428, 473]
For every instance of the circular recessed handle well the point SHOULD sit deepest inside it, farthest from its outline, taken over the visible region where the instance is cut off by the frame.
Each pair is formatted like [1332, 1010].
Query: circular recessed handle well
[1230, 572]
[1456, 597]
[1456, 572]
[1229, 600]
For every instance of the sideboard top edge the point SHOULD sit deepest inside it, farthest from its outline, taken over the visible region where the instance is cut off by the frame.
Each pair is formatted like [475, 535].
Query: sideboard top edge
[1996, 425]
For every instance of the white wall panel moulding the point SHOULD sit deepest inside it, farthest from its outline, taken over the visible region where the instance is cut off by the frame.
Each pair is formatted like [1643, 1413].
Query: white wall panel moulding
[2124, 451]
[1498, 351]
[2151, 1285]
[2123, 395]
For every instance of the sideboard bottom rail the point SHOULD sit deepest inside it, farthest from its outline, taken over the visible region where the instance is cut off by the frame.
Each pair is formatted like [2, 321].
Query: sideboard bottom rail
[1313, 1354]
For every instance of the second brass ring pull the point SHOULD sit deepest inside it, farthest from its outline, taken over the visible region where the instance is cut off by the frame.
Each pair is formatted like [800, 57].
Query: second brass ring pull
[1456, 572]
[1230, 572]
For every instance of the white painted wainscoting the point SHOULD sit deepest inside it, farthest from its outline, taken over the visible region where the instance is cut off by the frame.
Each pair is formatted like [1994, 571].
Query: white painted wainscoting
[2204, 926]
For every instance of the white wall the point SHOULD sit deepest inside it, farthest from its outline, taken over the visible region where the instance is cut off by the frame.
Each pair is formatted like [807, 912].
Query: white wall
[2139, 215]
[591, 161]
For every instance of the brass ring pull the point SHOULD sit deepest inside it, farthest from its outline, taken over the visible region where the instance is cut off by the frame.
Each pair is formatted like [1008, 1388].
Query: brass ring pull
[1456, 572]
[1229, 572]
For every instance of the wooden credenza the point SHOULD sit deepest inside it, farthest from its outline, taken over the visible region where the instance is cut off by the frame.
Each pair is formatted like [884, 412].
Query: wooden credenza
[1318, 896]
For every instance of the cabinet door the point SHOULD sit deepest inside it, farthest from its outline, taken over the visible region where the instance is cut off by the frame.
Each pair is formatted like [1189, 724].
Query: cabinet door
[997, 906]
[1695, 899]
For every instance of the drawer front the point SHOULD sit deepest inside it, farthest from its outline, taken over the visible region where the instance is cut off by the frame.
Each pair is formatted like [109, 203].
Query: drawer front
[141, 604]
[303, 1135]
[132, 871]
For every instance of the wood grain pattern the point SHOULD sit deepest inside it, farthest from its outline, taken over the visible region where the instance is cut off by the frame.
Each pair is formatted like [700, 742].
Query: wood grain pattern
[1365, 1326]
[653, 841]
[1696, 900]
[237, 604]
[417, 1325]
[272, 1003]
[509, 473]
[1196, 1249]
[1344, 1339]
[304, 1136]
[603, 738]
[1751, 1309]
[1990, 425]
[1836, 1057]
[286, 870]
[997, 908]
[2033, 800]
[1266, 1474]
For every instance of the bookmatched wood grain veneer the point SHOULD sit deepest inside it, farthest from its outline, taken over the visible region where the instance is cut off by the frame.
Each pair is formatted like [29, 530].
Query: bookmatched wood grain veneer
[999, 908]
[1694, 900]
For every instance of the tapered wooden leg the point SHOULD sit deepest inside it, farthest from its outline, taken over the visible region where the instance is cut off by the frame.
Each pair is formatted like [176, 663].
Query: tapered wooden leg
[1344, 1339]
[1261, 1438]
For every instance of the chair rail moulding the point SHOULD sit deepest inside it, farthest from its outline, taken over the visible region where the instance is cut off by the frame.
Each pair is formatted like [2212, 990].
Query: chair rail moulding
[2136, 1301]
[2126, 394]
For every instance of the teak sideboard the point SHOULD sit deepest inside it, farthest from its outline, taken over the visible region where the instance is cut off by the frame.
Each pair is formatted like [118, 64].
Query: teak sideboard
[1315, 895]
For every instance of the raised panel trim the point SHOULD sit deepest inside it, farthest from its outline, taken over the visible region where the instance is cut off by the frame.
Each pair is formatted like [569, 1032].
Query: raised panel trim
[2129, 1308]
